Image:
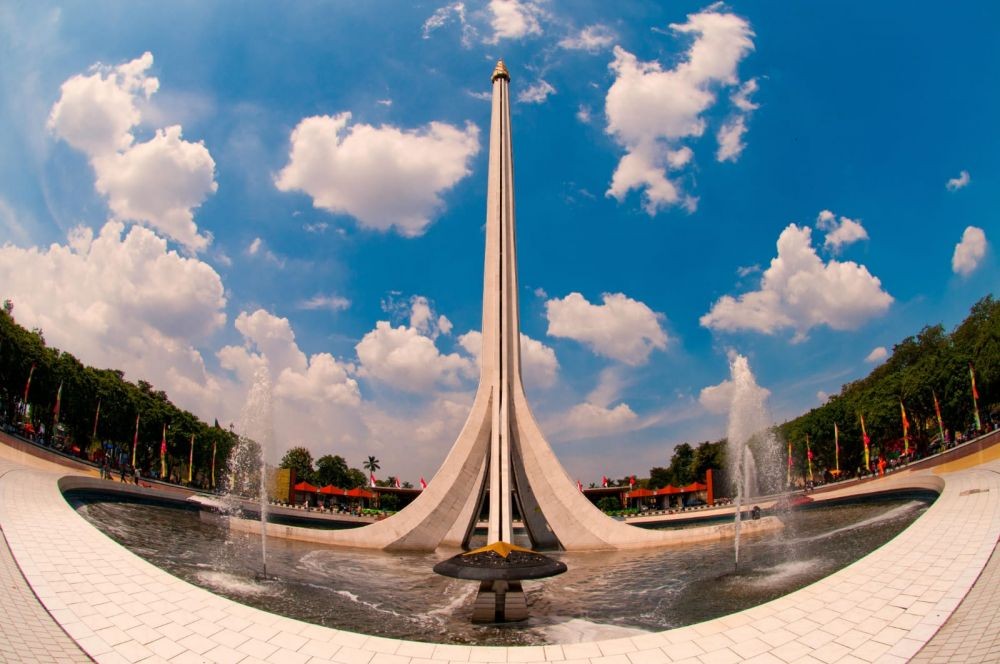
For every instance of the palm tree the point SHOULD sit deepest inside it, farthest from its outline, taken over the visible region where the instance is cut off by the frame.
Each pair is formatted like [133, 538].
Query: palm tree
[371, 465]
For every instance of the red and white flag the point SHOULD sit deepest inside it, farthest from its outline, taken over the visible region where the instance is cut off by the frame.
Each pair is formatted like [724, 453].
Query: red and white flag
[396, 484]
[423, 484]
[631, 482]
[604, 480]
[579, 485]
[371, 479]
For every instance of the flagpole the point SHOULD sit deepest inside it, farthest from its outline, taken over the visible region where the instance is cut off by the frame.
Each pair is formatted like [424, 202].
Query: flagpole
[975, 397]
[788, 473]
[191, 460]
[135, 438]
[836, 448]
[214, 444]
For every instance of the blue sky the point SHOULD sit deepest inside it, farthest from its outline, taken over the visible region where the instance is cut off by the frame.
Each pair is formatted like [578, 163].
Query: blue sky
[193, 191]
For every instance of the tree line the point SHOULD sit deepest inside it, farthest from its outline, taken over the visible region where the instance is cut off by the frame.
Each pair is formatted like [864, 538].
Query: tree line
[24, 353]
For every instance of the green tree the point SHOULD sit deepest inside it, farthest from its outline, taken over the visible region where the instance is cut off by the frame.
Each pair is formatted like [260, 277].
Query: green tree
[355, 479]
[332, 469]
[371, 464]
[300, 460]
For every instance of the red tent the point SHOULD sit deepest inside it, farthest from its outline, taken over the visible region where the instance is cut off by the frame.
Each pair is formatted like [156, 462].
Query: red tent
[669, 490]
[359, 493]
[305, 487]
[640, 493]
[695, 486]
[331, 490]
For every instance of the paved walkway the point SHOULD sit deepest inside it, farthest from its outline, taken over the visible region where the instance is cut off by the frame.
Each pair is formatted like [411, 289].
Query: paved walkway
[882, 608]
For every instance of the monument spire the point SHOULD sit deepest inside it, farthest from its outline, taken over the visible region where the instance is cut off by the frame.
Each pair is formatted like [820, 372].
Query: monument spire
[501, 459]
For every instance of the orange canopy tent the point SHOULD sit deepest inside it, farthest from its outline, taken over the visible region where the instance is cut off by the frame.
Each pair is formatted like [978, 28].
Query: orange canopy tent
[359, 493]
[331, 490]
[305, 487]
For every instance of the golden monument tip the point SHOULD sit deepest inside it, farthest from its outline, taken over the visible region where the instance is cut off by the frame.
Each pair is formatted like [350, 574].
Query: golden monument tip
[500, 72]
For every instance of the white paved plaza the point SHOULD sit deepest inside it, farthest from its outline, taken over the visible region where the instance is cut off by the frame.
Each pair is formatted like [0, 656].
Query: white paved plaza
[885, 607]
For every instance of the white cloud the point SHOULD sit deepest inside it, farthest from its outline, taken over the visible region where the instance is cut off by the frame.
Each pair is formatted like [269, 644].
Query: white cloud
[538, 361]
[537, 93]
[407, 360]
[592, 39]
[384, 102]
[839, 233]
[122, 300]
[583, 113]
[329, 302]
[730, 134]
[747, 270]
[589, 420]
[878, 354]
[800, 291]
[962, 181]
[268, 340]
[718, 399]
[349, 169]
[443, 15]
[969, 252]
[159, 182]
[258, 248]
[621, 328]
[318, 227]
[513, 19]
[651, 111]
[822, 396]
[730, 137]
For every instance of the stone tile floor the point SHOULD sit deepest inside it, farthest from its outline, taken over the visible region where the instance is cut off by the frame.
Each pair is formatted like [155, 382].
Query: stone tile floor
[882, 608]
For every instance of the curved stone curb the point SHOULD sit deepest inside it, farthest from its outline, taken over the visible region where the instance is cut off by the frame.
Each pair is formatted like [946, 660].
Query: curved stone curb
[118, 607]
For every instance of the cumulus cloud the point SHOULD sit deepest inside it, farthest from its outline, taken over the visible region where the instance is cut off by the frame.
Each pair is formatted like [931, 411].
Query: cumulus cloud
[592, 39]
[718, 399]
[537, 93]
[538, 361]
[969, 252]
[122, 299]
[407, 360]
[651, 111]
[513, 19]
[589, 420]
[839, 233]
[349, 168]
[621, 328]
[962, 181]
[159, 182]
[799, 291]
[878, 354]
[268, 340]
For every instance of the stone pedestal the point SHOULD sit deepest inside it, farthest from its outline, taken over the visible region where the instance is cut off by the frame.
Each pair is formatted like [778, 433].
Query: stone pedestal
[499, 601]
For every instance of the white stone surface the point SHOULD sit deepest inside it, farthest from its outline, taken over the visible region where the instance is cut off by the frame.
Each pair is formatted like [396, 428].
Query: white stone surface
[884, 607]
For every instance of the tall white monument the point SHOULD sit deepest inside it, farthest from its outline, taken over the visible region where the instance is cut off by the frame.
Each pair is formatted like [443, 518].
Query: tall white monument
[500, 455]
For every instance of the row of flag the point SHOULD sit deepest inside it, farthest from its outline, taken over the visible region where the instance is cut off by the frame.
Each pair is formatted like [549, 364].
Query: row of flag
[395, 481]
[867, 441]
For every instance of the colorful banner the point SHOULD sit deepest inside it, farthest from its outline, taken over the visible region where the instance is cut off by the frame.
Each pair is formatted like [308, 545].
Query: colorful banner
[135, 438]
[809, 458]
[975, 397]
[58, 407]
[867, 441]
[937, 412]
[906, 428]
[27, 388]
[191, 461]
[97, 417]
[163, 454]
